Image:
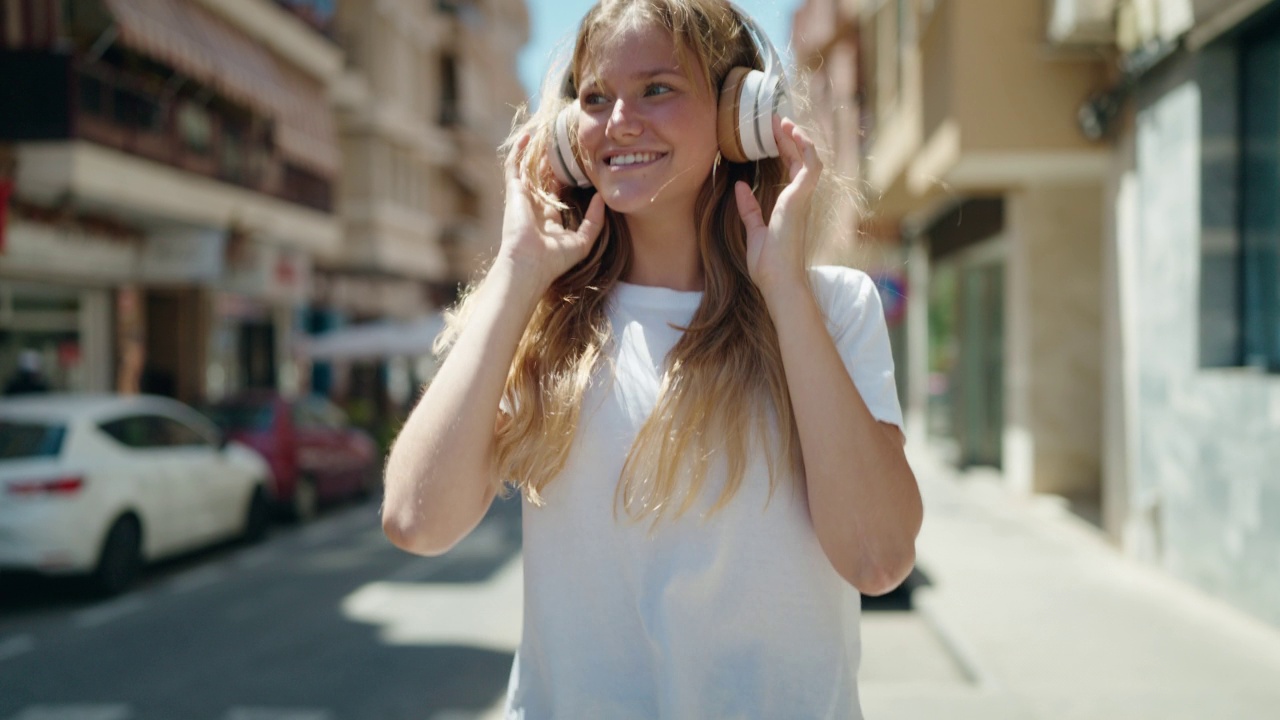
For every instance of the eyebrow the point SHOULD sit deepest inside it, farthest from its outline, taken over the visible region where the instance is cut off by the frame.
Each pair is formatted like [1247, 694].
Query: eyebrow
[641, 75]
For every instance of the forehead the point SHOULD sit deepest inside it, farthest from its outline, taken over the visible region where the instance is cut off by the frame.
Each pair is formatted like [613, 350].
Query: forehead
[632, 50]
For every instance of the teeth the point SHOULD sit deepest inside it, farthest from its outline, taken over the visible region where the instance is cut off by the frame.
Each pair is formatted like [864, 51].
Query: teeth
[632, 159]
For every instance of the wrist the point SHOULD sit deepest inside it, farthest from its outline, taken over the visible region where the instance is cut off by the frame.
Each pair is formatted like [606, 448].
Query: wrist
[782, 293]
[515, 281]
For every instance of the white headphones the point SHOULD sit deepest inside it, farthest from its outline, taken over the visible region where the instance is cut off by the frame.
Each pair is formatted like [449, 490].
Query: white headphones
[749, 99]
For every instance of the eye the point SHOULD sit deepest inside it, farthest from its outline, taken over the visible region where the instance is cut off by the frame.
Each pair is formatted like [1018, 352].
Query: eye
[592, 98]
[657, 89]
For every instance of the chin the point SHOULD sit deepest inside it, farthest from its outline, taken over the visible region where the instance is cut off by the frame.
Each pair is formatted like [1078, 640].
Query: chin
[638, 201]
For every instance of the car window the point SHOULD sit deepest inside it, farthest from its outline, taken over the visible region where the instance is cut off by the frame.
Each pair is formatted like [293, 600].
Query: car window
[331, 415]
[23, 439]
[135, 431]
[178, 434]
[305, 416]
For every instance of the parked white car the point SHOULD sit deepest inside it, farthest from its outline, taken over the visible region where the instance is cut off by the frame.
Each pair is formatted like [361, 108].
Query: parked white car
[102, 484]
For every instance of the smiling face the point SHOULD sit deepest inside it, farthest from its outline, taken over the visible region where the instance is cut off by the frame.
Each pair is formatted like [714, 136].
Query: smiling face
[647, 128]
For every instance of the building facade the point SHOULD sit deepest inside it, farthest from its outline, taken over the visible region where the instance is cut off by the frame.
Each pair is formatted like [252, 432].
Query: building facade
[426, 96]
[171, 166]
[1193, 254]
[193, 186]
[1087, 192]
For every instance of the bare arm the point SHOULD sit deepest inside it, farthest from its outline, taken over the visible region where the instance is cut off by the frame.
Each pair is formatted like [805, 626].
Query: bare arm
[863, 497]
[440, 476]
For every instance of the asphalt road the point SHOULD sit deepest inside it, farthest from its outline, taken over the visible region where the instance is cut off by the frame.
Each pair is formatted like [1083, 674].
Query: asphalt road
[325, 621]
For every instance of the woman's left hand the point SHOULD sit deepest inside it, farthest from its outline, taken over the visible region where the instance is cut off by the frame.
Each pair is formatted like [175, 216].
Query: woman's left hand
[775, 251]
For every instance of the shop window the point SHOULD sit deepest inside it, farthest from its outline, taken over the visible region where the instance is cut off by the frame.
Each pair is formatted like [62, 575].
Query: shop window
[1259, 189]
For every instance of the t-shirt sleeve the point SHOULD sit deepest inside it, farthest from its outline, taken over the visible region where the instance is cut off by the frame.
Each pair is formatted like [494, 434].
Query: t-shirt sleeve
[855, 319]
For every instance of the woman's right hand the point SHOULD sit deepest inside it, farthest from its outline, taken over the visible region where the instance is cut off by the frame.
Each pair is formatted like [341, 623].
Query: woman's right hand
[533, 239]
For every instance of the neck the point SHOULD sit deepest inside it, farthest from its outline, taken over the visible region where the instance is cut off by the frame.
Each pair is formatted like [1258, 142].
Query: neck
[664, 253]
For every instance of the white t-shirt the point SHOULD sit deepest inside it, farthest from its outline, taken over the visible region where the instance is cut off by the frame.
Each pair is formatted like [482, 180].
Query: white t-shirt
[739, 615]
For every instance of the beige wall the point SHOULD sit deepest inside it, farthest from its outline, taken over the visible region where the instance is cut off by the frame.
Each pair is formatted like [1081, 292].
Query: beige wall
[1054, 339]
[1009, 91]
[405, 171]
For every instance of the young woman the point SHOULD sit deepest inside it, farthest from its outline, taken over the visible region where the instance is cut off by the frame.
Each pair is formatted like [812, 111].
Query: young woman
[704, 429]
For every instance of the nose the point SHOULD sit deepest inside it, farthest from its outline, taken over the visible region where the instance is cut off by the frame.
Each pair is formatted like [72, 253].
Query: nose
[623, 121]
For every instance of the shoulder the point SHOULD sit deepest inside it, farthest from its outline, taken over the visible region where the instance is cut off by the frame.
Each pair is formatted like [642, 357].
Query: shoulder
[841, 290]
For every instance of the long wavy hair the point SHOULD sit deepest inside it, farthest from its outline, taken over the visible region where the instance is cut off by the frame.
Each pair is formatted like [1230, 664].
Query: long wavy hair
[724, 379]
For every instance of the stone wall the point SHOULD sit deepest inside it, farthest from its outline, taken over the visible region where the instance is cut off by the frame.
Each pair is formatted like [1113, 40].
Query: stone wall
[1202, 472]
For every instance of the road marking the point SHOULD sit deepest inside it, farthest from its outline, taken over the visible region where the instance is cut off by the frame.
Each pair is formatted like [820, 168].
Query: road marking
[13, 647]
[198, 578]
[106, 612]
[241, 713]
[74, 712]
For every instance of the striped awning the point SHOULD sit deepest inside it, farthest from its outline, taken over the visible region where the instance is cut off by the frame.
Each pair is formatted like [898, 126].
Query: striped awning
[187, 37]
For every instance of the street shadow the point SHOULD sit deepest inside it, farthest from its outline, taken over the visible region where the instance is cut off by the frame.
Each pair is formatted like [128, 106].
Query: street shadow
[898, 599]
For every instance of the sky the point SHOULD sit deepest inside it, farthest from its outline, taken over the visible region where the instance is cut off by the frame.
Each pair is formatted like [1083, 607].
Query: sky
[553, 22]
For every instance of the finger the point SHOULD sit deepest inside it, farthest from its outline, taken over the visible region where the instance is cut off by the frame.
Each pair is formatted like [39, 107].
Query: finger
[593, 220]
[808, 148]
[807, 166]
[791, 154]
[748, 208]
[511, 168]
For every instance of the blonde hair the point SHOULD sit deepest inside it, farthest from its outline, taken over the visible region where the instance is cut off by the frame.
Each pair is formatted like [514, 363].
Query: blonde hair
[724, 377]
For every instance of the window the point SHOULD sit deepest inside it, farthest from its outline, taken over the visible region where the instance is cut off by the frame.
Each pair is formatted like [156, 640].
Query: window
[1239, 293]
[21, 439]
[1260, 194]
[449, 110]
[175, 433]
[154, 431]
[135, 431]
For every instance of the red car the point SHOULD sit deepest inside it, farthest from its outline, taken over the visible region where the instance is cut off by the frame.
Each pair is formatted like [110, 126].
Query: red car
[316, 456]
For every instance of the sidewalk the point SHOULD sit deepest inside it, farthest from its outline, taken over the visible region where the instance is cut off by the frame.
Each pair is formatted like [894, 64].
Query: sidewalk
[1044, 620]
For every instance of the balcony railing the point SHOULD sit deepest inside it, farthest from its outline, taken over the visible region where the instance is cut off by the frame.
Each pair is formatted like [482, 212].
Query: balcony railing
[201, 135]
[147, 114]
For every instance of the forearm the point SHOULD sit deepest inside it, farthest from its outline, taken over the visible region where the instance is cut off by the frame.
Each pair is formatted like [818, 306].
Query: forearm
[440, 475]
[863, 497]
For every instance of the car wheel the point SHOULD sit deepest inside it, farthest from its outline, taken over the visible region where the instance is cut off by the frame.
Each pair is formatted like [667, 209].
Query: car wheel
[257, 518]
[121, 557]
[306, 502]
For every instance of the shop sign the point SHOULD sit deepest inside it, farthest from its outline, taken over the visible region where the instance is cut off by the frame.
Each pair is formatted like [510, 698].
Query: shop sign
[893, 295]
[269, 272]
[67, 251]
[194, 256]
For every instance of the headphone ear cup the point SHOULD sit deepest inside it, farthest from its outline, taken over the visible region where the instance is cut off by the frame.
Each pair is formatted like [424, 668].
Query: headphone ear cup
[744, 116]
[728, 114]
[565, 164]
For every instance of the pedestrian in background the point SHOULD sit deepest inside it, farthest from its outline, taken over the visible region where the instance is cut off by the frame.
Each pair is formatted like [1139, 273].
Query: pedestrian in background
[27, 379]
[704, 428]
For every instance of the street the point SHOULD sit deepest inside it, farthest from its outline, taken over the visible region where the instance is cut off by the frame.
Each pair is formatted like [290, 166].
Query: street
[325, 621]
[319, 622]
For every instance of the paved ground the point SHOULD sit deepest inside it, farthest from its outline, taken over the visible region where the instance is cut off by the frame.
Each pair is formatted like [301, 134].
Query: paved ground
[1019, 611]
[1045, 621]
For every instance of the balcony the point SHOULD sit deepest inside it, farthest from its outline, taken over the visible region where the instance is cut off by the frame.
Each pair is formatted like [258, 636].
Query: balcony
[126, 142]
